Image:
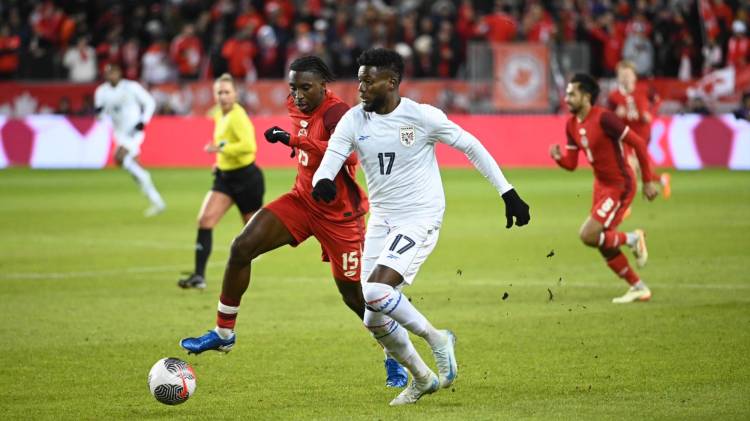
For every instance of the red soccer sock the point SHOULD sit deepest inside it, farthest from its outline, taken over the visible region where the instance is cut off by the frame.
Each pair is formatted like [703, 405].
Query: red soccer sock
[226, 316]
[612, 239]
[619, 265]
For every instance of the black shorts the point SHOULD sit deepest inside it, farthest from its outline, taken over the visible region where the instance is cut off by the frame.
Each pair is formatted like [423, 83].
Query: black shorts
[244, 185]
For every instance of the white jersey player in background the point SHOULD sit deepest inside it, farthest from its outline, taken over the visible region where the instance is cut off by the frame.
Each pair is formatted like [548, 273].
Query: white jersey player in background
[130, 107]
[395, 139]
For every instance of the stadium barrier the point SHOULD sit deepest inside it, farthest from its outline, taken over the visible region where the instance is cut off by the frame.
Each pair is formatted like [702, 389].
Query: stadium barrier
[50, 141]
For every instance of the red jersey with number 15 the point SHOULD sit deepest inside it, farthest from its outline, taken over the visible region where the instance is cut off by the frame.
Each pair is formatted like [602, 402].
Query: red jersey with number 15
[600, 136]
[310, 136]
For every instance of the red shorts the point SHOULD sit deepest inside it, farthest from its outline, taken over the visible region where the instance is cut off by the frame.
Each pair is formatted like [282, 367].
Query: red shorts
[610, 204]
[341, 242]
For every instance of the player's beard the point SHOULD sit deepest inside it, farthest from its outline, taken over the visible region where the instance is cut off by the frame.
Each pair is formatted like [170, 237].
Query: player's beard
[574, 108]
[374, 104]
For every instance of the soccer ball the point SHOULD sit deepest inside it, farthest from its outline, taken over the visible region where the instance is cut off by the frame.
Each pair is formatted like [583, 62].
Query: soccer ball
[172, 381]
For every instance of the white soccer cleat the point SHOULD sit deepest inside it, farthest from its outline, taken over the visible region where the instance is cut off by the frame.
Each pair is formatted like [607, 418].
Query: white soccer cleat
[633, 295]
[445, 359]
[154, 210]
[416, 390]
[639, 249]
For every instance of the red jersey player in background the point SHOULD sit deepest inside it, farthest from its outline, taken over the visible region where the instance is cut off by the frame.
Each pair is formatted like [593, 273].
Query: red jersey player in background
[339, 226]
[600, 135]
[636, 110]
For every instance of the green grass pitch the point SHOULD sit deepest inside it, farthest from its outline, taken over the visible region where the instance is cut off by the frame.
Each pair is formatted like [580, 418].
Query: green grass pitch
[88, 302]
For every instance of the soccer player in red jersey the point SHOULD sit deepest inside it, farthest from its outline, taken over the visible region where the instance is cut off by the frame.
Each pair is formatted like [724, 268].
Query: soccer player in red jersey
[600, 135]
[634, 108]
[295, 216]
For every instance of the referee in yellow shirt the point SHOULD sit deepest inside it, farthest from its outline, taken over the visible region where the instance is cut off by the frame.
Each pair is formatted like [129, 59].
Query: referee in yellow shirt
[236, 177]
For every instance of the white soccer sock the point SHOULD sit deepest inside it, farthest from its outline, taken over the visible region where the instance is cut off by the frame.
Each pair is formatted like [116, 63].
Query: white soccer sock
[226, 316]
[416, 366]
[385, 299]
[632, 238]
[396, 343]
[223, 332]
[640, 285]
[144, 180]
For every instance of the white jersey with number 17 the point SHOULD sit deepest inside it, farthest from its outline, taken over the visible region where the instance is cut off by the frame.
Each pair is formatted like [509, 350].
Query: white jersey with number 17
[397, 153]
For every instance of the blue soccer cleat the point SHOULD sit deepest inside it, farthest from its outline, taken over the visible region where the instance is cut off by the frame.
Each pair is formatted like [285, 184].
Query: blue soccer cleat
[395, 374]
[208, 342]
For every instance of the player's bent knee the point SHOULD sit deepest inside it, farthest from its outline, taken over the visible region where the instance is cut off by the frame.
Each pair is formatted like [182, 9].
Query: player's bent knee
[243, 250]
[588, 238]
[377, 295]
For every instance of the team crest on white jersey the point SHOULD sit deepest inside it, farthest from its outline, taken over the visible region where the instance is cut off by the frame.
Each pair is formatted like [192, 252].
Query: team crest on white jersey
[406, 135]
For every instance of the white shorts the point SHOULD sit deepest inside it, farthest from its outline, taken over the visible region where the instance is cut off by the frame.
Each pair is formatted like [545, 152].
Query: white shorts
[402, 248]
[130, 141]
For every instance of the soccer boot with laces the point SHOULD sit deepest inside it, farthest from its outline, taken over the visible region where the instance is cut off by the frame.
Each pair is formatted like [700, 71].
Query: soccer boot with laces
[417, 389]
[192, 281]
[634, 294]
[445, 359]
[211, 341]
[396, 375]
[639, 248]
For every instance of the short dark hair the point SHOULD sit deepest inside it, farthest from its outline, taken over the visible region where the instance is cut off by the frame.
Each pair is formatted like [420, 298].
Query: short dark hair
[313, 64]
[383, 59]
[587, 84]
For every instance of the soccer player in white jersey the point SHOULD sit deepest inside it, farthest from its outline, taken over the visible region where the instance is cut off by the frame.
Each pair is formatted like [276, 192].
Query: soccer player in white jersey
[395, 139]
[130, 107]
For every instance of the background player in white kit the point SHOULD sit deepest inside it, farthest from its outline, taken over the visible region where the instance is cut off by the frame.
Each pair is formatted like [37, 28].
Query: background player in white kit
[130, 107]
[395, 139]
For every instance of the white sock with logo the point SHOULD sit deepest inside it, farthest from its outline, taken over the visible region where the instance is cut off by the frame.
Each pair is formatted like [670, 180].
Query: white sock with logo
[396, 343]
[385, 299]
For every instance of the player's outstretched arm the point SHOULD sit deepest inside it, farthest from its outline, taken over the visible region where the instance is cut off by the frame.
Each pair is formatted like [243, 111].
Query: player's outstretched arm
[444, 130]
[516, 210]
[650, 187]
[277, 134]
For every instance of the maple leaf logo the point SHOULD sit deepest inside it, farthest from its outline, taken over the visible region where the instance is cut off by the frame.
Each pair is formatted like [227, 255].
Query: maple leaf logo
[522, 77]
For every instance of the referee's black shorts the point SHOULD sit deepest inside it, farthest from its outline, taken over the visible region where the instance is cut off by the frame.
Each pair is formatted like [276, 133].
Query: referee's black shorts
[244, 185]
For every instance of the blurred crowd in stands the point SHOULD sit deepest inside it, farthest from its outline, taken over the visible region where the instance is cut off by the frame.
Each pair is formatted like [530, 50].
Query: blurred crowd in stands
[176, 40]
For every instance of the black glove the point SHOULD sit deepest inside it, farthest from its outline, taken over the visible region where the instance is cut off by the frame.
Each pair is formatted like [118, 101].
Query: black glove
[138, 127]
[515, 206]
[276, 134]
[325, 190]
